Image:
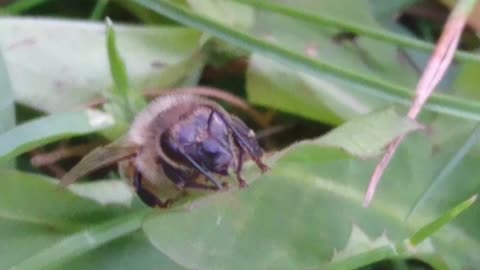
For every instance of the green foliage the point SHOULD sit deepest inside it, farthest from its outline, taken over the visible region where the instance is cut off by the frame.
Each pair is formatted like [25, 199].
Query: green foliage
[306, 211]
[127, 101]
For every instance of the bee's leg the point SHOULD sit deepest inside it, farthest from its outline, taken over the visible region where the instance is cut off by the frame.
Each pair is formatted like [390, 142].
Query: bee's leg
[238, 171]
[146, 196]
[184, 179]
[202, 170]
[245, 138]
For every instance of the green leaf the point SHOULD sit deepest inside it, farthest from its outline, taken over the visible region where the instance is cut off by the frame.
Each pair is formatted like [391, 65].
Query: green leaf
[43, 226]
[323, 97]
[443, 174]
[373, 86]
[304, 209]
[351, 18]
[226, 12]
[7, 105]
[366, 136]
[130, 252]
[35, 213]
[82, 241]
[78, 69]
[360, 250]
[44, 130]
[105, 192]
[98, 10]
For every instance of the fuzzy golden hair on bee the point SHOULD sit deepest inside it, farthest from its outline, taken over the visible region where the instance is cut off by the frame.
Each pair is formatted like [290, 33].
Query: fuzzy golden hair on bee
[179, 142]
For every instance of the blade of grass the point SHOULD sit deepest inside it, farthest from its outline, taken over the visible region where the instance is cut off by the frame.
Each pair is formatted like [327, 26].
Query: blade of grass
[454, 106]
[374, 33]
[429, 229]
[446, 170]
[117, 65]
[98, 10]
[129, 102]
[436, 68]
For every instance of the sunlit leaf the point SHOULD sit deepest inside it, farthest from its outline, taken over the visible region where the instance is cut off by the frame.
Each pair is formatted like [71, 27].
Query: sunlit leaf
[50, 128]
[78, 69]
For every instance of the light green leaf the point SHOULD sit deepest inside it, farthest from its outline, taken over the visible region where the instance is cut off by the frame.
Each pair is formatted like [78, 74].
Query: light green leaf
[324, 97]
[35, 213]
[78, 69]
[226, 12]
[43, 226]
[359, 242]
[81, 242]
[105, 192]
[372, 86]
[51, 128]
[366, 136]
[7, 105]
[305, 208]
[130, 252]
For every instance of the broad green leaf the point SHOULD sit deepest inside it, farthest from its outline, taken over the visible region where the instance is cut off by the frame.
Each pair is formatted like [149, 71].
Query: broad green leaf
[374, 87]
[43, 226]
[82, 241]
[44, 130]
[130, 252]
[365, 136]
[35, 213]
[305, 208]
[78, 69]
[358, 243]
[227, 12]
[439, 181]
[323, 97]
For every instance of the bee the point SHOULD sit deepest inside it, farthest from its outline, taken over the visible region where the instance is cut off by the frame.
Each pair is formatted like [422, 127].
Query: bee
[178, 142]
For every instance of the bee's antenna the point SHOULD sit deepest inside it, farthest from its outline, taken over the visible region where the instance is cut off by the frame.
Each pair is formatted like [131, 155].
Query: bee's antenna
[201, 170]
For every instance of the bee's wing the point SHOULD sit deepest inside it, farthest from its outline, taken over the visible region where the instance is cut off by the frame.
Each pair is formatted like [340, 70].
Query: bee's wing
[98, 158]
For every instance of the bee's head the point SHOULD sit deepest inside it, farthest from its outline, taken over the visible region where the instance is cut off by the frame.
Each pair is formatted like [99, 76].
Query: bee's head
[203, 137]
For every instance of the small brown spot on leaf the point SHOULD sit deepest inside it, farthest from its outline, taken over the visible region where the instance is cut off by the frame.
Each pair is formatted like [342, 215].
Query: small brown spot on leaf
[60, 84]
[21, 43]
[157, 64]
